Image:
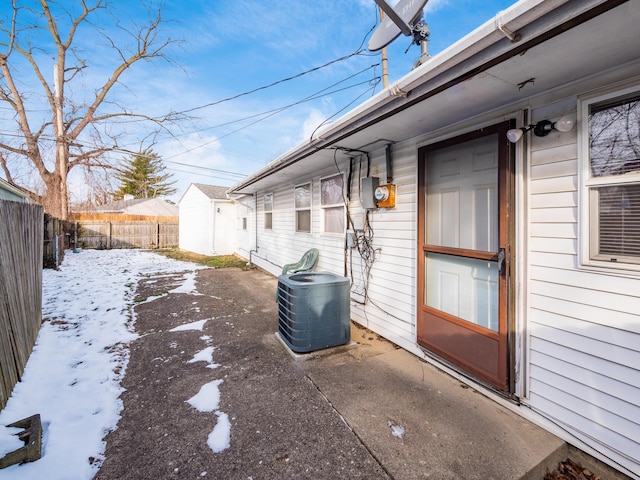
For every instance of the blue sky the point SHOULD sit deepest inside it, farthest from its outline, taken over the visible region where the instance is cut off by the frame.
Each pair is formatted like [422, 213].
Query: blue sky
[231, 47]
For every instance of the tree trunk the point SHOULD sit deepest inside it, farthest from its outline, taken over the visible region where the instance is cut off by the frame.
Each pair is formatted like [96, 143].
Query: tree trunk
[55, 200]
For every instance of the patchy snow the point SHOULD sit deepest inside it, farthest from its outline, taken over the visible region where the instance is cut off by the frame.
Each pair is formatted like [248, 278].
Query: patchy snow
[207, 400]
[208, 397]
[72, 378]
[197, 325]
[188, 285]
[396, 430]
[205, 355]
[220, 438]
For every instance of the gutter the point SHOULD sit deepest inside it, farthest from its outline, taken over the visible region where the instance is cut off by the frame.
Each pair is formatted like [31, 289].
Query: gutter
[482, 49]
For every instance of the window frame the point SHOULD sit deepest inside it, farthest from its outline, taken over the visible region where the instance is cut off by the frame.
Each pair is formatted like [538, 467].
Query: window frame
[589, 213]
[324, 207]
[297, 209]
[268, 214]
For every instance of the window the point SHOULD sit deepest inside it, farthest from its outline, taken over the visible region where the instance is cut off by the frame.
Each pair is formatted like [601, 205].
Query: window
[302, 195]
[332, 203]
[268, 211]
[612, 177]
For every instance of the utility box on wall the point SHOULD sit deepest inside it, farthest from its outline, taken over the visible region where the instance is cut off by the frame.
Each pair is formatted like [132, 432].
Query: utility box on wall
[313, 311]
[367, 192]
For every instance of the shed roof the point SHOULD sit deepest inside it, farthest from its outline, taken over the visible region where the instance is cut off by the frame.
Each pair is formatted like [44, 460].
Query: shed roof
[212, 191]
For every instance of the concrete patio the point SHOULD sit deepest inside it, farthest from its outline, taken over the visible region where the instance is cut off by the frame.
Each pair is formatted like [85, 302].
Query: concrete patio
[364, 411]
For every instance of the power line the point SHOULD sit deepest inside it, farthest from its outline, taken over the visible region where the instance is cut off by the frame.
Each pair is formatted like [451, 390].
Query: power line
[273, 84]
[271, 113]
[238, 175]
[201, 174]
[313, 96]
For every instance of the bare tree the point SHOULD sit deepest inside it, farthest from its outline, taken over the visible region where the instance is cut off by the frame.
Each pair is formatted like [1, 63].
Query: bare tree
[72, 133]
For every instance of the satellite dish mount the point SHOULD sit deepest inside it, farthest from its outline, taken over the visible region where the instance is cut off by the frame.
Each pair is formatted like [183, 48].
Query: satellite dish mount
[405, 18]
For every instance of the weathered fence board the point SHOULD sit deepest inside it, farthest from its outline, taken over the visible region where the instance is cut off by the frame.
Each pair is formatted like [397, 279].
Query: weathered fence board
[108, 234]
[21, 253]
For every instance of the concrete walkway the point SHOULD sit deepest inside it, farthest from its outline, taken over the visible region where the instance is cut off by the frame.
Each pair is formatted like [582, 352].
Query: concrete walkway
[367, 412]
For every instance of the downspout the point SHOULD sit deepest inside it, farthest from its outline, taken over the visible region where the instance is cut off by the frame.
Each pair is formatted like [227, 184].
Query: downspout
[213, 226]
[255, 215]
[389, 163]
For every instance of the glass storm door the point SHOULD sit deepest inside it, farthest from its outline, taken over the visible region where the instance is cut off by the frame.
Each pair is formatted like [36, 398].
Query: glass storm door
[463, 257]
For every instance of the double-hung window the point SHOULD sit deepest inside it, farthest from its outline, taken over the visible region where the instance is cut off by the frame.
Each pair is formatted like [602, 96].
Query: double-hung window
[612, 177]
[332, 203]
[302, 199]
[268, 211]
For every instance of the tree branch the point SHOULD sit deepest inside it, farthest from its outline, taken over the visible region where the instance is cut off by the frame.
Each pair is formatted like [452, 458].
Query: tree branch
[145, 41]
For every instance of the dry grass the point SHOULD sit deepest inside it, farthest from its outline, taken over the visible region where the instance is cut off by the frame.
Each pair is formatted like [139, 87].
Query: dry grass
[222, 261]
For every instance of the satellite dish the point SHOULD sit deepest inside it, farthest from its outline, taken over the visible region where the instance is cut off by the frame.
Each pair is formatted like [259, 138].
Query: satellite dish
[399, 19]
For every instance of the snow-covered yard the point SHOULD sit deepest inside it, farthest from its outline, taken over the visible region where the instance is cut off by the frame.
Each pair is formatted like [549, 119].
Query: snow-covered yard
[73, 376]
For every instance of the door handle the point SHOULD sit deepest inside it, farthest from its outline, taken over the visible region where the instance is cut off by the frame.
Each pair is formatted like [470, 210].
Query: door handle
[502, 261]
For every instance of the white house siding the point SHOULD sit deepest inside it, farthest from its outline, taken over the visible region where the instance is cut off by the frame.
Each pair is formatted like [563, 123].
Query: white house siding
[391, 308]
[282, 244]
[584, 343]
[195, 230]
[244, 238]
[391, 289]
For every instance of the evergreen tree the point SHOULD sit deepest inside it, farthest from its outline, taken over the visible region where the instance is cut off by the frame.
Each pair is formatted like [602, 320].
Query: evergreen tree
[143, 177]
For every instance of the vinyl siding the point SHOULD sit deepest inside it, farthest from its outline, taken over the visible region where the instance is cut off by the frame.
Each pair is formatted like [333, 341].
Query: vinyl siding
[244, 239]
[281, 244]
[584, 356]
[391, 287]
[391, 310]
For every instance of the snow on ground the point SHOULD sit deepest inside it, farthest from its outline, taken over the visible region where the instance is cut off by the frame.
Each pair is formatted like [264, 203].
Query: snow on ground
[72, 378]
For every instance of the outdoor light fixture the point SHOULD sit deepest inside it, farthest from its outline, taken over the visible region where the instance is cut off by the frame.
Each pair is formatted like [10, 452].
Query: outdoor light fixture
[542, 128]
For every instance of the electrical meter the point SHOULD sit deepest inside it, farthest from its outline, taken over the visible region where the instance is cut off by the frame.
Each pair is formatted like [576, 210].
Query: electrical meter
[385, 196]
[381, 194]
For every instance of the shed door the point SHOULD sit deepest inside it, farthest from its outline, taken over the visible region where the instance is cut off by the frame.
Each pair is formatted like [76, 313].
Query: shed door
[463, 257]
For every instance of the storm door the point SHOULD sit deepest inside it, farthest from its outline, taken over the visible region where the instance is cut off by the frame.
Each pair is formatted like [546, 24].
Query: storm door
[463, 252]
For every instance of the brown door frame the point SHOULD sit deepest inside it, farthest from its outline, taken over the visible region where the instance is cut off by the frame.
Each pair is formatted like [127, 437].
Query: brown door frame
[455, 340]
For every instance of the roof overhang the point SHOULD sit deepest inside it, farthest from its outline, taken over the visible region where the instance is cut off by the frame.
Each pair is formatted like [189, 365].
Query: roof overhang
[9, 187]
[561, 41]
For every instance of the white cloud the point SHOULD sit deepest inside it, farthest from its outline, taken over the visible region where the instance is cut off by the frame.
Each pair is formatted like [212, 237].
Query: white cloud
[311, 124]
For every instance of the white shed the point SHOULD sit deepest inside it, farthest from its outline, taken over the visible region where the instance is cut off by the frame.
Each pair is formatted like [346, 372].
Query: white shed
[507, 249]
[207, 220]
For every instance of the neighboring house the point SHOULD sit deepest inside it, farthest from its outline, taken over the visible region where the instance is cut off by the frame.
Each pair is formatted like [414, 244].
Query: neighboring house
[514, 266]
[127, 223]
[9, 191]
[148, 207]
[207, 220]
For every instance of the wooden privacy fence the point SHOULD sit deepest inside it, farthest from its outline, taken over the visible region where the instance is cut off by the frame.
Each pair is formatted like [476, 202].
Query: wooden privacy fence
[124, 231]
[21, 248]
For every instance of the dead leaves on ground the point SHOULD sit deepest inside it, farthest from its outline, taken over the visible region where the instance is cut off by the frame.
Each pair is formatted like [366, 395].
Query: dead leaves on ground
[570, 470]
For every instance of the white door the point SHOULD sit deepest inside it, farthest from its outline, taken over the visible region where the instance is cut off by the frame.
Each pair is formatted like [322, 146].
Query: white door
[462, 212]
